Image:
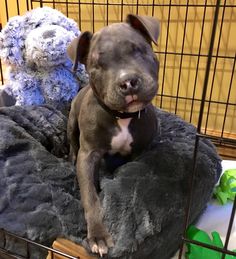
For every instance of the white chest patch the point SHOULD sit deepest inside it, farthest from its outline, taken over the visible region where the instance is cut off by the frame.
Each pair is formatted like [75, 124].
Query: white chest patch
[121, 143]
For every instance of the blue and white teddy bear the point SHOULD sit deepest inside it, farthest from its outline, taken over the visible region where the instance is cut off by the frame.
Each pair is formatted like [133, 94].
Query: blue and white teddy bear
[33, 47]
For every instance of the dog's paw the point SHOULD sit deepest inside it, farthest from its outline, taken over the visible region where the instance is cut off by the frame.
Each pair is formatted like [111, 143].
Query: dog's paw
[101, 242]
[100, 246]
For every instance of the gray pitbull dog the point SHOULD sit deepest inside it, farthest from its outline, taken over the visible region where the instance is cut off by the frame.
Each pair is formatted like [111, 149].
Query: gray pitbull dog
[113, 114]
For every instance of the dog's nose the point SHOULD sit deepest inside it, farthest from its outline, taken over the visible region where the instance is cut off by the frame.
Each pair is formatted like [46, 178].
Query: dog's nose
[129, 85]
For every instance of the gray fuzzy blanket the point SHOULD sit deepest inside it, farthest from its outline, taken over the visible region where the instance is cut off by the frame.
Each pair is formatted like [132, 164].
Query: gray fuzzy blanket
[144, 200]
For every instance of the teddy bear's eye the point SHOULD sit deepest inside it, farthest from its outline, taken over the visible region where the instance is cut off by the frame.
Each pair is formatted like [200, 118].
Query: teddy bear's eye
[37, 25]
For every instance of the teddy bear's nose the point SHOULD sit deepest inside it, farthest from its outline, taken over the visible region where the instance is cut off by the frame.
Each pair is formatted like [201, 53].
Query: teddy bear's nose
[49, 34]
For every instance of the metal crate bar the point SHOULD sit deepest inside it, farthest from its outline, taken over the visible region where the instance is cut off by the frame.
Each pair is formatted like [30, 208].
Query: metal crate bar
[191, 182]
[198, 61]
[1, 72]
[230, 228]
[27, 241]
[228, 97]
[216, 61]
[192, 54]
[135, 4]
[181, 56]
[165, 55]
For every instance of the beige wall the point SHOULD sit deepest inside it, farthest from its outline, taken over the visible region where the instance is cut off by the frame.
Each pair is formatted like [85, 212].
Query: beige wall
[172, 83]
[11, 7]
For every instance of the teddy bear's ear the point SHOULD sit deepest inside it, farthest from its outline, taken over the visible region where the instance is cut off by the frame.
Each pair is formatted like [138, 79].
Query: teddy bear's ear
[78, 49]
[148, 26]
[12, 42]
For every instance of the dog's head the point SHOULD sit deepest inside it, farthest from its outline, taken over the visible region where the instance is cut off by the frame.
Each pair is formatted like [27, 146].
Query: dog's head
[122, 66]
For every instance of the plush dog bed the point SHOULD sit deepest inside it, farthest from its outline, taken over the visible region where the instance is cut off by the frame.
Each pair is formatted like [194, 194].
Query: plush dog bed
[144, 200]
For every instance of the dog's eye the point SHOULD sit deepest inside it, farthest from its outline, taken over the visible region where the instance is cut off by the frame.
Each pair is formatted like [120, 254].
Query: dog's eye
[103, 61]
[98, 59]
[137, 50]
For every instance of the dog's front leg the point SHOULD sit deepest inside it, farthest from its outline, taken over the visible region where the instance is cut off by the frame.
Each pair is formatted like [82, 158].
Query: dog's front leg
[98, 237]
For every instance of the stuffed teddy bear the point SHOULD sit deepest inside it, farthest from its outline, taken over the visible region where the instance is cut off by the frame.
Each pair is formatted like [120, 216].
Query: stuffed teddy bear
[33, 47]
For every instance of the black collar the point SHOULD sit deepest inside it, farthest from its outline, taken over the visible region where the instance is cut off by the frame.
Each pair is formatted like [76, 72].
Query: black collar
[114, 113]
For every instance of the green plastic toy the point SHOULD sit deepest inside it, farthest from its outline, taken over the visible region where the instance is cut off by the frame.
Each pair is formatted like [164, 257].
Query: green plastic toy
[226, 190]
[198, 252]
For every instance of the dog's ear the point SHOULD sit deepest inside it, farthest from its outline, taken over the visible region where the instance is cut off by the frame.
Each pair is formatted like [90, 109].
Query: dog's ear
[78, 49]
[148, 26]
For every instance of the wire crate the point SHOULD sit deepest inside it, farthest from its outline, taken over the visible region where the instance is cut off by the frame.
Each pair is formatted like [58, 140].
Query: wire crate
[197, 54]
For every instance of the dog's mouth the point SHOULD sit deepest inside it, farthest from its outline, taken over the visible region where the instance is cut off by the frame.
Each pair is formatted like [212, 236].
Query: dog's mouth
[133, 104]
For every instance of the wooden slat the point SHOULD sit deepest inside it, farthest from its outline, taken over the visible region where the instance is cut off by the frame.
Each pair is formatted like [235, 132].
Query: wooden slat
[217, 133]
[227, 153]
[70, 248]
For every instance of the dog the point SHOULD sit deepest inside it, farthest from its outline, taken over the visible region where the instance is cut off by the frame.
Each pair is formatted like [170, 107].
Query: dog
[113, 114]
